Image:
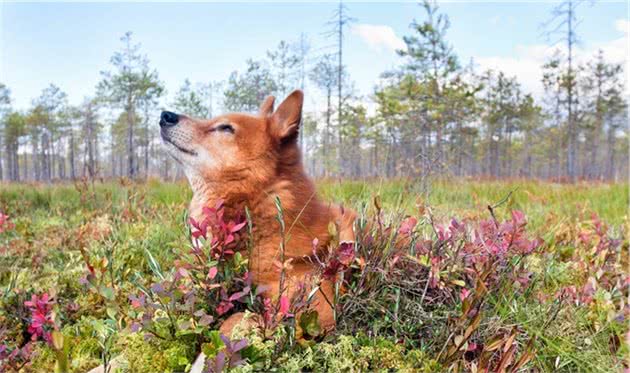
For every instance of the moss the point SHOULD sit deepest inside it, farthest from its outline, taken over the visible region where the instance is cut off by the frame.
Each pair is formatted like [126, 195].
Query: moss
[155, 356]
[343, 354]
[83, 355]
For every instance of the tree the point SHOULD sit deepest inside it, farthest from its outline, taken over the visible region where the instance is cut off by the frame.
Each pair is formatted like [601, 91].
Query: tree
[430, 58]
[284, 65]
[355, 124]
[5, 107]
[461, 106]
[302, 48]
[530, 117]
[339, 22]
[46, 123]
[502, 101]
[13, 131]
[189, 101]
[131, 84]
[324, 75]
[246, 91]
[602, 82]
[90, 130]
[564, 22]
[616, 118]
[552, 80]
[209, 93]
[396, 108]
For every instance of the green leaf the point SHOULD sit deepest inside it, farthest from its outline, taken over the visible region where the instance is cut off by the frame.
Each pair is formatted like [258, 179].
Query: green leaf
[112, 312]
[154, 265]
[106, 292]
[309, 322]
[215, 345]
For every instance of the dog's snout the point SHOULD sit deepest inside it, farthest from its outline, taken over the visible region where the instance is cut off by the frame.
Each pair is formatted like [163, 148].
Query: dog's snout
[168, 119]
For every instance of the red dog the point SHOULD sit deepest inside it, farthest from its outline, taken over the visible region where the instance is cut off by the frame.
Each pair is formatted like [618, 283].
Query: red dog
[248, 160]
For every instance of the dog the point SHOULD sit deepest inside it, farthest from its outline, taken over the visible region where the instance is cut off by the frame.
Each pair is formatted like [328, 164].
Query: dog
[247, 161]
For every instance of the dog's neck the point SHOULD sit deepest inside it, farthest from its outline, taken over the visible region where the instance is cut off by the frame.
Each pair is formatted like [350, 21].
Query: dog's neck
[295, 190]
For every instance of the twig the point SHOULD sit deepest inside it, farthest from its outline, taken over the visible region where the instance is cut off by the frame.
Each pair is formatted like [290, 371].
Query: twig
[505, 199]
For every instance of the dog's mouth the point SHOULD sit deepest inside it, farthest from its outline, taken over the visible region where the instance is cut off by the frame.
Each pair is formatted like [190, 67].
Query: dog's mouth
[178, 147]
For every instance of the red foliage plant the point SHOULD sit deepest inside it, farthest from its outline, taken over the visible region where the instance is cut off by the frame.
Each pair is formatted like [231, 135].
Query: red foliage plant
[42, 322]
[5, 223]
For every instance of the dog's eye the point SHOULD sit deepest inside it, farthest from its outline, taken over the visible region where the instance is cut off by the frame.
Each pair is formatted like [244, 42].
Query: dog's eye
[224, 128]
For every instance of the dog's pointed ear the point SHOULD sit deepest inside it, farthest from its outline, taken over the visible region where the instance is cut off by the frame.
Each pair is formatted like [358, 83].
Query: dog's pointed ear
[285, 121]
[266, 108]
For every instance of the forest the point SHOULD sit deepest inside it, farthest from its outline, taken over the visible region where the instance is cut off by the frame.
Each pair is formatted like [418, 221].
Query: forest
[432, 114]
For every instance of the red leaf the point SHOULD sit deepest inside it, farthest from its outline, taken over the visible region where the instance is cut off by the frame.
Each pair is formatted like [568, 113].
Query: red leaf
[238, 227]
[284, 306]
[406, 227]
[224, 307]
[345, 253]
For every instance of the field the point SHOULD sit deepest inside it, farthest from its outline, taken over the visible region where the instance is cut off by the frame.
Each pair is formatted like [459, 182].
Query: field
[440, 282]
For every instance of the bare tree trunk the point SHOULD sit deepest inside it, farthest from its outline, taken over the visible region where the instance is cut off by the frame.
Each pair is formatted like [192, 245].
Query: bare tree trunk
[327, 134]
[25, 170]
[130, 149]
[146, 150]
[51, 157]
[44, 157]
[36, 160]
[61, 162]
[71, 155]
[16, 162]
[90, 148]
[96, 165]
[340, 80]
[1, 160]
[610, 169]
[571, 126]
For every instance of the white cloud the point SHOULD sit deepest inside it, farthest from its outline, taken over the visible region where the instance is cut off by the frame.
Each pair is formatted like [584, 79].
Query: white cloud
[526, 63]
[378, 37]
[622, 25]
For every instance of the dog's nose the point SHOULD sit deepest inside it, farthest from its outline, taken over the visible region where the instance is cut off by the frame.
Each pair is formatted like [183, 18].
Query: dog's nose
[168, 119]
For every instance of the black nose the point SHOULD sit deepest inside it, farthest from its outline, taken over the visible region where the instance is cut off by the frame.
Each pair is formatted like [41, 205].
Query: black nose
[168, 119]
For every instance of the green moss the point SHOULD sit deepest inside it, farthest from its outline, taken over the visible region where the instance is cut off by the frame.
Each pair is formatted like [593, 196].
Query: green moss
[83, 354]
[347, 354]
[342, 354]
[155, 356]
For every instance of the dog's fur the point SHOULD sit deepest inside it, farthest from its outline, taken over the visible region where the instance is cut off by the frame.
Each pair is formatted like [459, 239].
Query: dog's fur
[246, 161]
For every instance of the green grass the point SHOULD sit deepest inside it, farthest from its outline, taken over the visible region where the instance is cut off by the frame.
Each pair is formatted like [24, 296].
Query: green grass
[539, 200]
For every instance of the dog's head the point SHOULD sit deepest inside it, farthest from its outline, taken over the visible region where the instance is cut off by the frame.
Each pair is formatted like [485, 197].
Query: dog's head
[235, 147]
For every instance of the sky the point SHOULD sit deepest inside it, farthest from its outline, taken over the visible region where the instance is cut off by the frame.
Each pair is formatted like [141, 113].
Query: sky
[70, 43]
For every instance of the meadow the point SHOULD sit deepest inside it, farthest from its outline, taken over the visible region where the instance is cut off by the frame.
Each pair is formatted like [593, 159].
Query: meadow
[438, 281]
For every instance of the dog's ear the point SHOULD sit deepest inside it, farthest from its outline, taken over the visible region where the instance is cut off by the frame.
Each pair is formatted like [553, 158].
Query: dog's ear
[285, 121]
[266, 108]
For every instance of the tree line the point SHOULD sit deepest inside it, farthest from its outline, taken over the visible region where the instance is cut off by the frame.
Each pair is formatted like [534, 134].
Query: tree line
[430, 115]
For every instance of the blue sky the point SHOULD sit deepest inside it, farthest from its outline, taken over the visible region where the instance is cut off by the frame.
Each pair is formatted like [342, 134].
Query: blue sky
[69, 43]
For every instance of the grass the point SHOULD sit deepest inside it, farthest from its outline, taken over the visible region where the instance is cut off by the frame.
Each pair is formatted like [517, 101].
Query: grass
[538, 200]
[128, 229]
